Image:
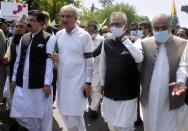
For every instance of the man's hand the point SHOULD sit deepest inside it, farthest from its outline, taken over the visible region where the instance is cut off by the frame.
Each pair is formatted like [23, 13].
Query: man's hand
[178, 88]
[47, 90]
[54, 56]
[87, 89]
[102, 90]
[12, 86]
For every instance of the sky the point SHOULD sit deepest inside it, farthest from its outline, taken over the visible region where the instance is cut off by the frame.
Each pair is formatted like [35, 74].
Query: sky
[151, 8]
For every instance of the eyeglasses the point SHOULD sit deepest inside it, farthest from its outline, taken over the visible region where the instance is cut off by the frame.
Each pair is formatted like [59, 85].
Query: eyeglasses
[180, 35]
[116, 24]
[20, 26]
[157, 28]
[66, 16]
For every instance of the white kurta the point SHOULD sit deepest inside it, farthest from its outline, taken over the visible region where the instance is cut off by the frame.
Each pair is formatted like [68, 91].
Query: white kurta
[73, 70]
[157, 116]
[182, 75]
[27, 102]
[95, 83]
[120, 113]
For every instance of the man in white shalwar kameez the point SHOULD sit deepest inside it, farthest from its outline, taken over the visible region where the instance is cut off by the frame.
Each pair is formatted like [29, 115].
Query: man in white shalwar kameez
[182, 76]
[95, 84]
[32, 77]
[162, 54]
[75, 69]
[119, 77]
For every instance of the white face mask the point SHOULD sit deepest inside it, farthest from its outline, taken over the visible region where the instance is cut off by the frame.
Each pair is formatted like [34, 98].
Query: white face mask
[117, 32]
[93, 36]
[106, 35]
[162, 36]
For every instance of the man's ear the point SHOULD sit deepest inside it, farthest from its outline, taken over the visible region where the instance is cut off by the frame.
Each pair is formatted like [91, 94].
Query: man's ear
[125, 27]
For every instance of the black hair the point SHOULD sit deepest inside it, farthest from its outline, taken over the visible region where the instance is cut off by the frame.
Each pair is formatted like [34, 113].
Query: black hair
[183, 28]
[40, 17]
[93, 24]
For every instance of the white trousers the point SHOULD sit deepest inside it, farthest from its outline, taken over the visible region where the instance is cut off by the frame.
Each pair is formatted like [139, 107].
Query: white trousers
[38, 124]
[184, 119]
[95, 99]
[74, 123]
[115, 128]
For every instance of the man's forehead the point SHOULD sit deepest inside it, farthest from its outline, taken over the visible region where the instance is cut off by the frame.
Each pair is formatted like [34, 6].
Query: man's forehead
[66, 11]
[160, 21]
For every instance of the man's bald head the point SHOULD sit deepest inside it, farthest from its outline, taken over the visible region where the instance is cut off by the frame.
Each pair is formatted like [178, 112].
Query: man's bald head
[161, 22]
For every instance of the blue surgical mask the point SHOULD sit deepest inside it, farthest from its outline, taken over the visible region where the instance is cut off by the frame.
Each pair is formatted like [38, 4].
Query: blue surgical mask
[162, 36]
[133, 32]
[140, 33]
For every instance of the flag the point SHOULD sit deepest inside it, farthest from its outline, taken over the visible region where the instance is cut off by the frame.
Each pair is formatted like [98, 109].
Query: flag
[53, 23]
[102, 24]
[174, 18]
[49, 22]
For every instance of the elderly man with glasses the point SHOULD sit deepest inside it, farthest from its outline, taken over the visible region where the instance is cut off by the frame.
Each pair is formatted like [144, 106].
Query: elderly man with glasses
[119, 77]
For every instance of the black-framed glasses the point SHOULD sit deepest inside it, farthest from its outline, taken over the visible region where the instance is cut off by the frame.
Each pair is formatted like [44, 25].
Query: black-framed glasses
[116, 24]
[66, 16]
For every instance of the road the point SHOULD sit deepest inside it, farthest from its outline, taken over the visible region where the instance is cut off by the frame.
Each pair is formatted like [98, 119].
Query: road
[91, 125]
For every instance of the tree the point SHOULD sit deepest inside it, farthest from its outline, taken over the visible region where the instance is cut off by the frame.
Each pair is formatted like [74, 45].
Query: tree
[106, 3]
[52, 6]
[100, 15]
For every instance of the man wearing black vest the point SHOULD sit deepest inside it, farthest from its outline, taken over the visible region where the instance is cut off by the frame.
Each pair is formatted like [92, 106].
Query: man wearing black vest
[119, 77]
[32, 77]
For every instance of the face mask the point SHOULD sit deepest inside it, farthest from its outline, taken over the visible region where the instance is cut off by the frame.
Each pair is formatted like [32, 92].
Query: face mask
[93, 36]
[162, 36]
[117, 32]
[140, 33]
[106, 35]
[133, 32]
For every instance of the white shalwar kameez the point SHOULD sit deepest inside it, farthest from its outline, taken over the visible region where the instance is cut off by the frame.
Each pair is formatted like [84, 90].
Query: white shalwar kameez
[120, 115]
[182, 75]
[74, 70]
[95, 83]
[156, 114]
[30, 107]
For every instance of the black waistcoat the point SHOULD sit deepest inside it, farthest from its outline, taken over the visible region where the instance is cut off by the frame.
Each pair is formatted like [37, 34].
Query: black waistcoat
[12, 57]
[122, 80]
[37, 59]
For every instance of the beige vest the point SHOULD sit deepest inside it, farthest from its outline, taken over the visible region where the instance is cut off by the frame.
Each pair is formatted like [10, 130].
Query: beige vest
[175, 47]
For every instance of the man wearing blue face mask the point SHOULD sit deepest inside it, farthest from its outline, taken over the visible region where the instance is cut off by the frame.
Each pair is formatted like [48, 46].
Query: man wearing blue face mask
[162, 97]
[144, 29]
[119, 77]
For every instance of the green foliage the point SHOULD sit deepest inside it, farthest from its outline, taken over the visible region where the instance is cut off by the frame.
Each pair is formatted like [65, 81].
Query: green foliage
[100, 15]
[52, 6]
[106, 3]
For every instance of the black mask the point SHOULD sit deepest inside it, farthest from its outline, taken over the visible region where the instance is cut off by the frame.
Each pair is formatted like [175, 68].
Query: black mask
[17, 38]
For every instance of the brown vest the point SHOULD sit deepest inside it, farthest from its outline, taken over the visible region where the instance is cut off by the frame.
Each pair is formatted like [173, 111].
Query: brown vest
[175, 47]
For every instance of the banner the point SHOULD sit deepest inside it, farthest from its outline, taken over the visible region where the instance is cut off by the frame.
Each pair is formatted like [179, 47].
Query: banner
[12, 10]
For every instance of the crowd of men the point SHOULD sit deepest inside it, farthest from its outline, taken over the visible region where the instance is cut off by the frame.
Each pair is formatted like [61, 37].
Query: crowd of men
[141, 66]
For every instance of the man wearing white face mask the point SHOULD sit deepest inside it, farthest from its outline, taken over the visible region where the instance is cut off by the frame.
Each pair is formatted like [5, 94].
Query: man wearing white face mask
[162, 97]
[119, 77]
[97, 41]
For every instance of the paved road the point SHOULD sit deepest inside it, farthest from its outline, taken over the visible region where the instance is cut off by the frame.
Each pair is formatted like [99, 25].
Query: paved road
[91, 125]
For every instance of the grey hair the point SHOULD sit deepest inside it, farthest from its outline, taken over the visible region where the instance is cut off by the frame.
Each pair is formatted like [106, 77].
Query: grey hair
[119, 14]
[71, 8]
